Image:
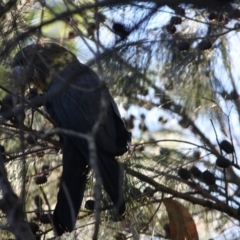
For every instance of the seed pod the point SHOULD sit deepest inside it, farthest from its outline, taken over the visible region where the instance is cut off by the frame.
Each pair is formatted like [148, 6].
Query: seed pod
[208, 178]
[71, 35]
[34, 227]
[195, 172]
[38, 201]
[45, 170]
[212, 16]
[40, 180]
[40, 154]
[180, 11]
[148, 191]
[162, 119]
[89, 205]
[184, 173]
[175, 20]
[171, 28]
[226, 146]
[46, 218]
[234, 94]
[31, 139]
[142, 116]
[204, 45]
[120, 30]
[183, 46]
[223, 162]
[91, 27]
[142, 126]
[184, 123]
[197, 154]
[118, 27]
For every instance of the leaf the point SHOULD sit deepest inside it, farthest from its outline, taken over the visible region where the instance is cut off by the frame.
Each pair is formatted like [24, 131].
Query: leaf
[182, 225]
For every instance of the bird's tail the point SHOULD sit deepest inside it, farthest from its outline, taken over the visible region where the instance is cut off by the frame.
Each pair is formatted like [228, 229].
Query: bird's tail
[112, 179]
[72, 186]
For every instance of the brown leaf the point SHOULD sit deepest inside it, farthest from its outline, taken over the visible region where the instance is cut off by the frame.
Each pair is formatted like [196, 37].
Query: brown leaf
[182, 225]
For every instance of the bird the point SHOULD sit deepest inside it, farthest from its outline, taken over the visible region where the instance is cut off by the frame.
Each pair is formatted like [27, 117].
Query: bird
[75, 105]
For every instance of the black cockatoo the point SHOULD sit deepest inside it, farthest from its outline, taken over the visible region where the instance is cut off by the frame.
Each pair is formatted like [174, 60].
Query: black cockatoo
[74, 92]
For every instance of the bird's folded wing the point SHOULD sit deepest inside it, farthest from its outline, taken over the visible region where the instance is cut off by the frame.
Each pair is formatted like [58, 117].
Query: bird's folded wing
[77, 107]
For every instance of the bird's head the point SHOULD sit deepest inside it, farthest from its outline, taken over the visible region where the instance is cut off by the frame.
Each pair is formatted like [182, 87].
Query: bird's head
[37, 63]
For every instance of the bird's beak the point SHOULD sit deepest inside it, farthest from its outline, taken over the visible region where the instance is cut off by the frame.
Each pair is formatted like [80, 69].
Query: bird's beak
[25, 75]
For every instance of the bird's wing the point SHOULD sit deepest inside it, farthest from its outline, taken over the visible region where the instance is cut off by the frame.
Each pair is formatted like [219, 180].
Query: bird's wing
[77, 107]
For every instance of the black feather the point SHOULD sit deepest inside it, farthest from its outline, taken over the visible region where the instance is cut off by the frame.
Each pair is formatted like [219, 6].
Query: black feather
[73, 102]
